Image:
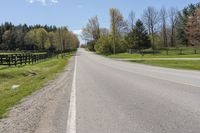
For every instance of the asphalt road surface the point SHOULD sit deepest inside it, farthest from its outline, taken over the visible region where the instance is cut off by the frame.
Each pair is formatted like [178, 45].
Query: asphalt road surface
[95, 94]
[121, 97]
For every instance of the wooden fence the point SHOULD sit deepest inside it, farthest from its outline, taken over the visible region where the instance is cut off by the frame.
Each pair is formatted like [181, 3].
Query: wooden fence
[21, 59]
[165, 51]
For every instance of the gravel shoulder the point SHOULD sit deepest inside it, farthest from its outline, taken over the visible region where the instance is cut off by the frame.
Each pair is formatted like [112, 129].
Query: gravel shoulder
[45, 111]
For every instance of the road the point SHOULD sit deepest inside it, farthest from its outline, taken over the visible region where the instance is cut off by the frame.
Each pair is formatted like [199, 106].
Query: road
[95, 94]
[121, 97]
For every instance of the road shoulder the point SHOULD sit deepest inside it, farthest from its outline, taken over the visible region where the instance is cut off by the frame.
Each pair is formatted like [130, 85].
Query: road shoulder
[44, 109]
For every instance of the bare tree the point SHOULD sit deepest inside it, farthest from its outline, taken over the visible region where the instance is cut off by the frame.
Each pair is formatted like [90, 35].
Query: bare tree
[118, 25]
[131, 20]
[151, 19]
[173, 12]
[92, 29]
[104, 32]
[163, 18]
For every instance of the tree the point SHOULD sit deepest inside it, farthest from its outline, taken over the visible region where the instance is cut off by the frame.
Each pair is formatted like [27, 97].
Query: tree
[66, 40]
[104, 45]
[173, 21]
[31, 39]
[118, 26]
[52, 40]
[42, 38]
[38, 37]
[6, 38]
[151, 19]
[193, 29]
[138, 37]
[131, 20]
[62, 34]
[92, 31]
[163, 18]
[182, 21]
[19, 32]
[104, 32]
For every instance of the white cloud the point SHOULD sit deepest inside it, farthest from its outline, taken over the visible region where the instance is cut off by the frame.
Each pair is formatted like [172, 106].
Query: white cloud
[77, 32]
[43, 2]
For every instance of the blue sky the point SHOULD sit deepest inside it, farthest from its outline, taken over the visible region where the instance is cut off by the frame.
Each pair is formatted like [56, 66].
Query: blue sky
[75, 13]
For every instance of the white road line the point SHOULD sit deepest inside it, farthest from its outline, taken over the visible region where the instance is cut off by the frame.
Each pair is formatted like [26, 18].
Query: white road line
[71, 122]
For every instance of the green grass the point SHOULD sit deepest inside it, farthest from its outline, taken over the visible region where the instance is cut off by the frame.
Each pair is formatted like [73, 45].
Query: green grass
[29, 77]
[172, 53]
[191, 65]
[135, 56]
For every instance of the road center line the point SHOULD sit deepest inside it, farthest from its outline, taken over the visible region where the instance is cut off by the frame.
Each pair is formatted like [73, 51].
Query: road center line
[71, 122]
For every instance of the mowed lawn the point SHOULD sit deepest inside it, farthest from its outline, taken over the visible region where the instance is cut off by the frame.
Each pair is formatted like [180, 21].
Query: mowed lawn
[135, 56]
[178, 64]
[29, 78]
[172, 53]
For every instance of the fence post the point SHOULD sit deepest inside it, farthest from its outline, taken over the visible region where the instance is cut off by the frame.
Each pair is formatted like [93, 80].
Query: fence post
[20, 59]
[15, 60]
[9, 61]
[26, 59]
[29, 59]
[1, 60]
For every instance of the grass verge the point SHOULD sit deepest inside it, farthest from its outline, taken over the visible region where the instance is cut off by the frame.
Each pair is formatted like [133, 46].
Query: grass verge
[135, 56]
[191, 65]
[29, 78]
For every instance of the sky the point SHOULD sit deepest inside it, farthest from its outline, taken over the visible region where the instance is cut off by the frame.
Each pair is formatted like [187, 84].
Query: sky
[75, 13]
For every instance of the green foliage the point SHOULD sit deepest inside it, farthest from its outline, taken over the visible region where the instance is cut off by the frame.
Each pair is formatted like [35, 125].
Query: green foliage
[104, 45]
[157, 42]
[182, 21]
[90, 45]
[65, 40]
[42, 38]
[138, 37]
[36, 37]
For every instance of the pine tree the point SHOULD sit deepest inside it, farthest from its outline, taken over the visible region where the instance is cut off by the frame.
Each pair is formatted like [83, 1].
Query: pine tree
[138, 38]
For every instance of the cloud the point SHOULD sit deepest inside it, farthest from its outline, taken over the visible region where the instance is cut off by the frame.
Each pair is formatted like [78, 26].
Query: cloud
[77, 32]
[43, 2]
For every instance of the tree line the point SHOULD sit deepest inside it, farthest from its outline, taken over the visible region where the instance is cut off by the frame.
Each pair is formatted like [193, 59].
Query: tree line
[37, 37]
[155, 29]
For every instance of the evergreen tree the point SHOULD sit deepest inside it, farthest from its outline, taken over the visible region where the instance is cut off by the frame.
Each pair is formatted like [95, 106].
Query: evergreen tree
[138, 37]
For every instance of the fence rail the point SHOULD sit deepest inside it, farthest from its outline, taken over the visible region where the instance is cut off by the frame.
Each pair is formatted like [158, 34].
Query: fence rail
[21, 59]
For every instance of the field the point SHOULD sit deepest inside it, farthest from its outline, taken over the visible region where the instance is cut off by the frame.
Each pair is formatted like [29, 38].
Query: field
[29, 78]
